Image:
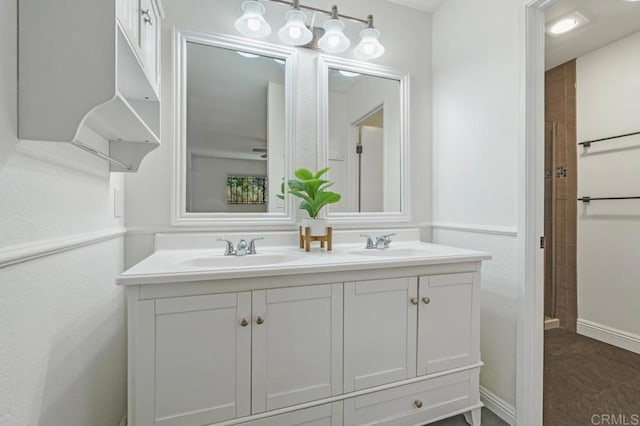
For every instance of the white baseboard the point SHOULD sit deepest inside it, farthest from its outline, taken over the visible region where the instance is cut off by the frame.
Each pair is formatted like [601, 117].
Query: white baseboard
[610, 335]
[498, 406]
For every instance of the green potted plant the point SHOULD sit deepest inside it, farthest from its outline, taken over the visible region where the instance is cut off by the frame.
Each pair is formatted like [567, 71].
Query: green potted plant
[312, 190]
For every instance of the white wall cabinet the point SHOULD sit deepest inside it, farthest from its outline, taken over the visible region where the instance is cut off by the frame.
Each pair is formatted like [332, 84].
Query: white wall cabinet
[395, 348]
[89, 75]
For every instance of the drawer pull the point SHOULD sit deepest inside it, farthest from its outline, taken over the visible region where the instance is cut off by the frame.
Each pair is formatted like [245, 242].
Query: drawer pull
[414, 301]
[260, 320]
[244, 322]
[417, 403]
[145, 13]
[426, 300]
[148, 21]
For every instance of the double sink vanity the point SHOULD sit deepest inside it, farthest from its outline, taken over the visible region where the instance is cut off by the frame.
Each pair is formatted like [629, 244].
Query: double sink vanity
[355, 336]
[378, 331]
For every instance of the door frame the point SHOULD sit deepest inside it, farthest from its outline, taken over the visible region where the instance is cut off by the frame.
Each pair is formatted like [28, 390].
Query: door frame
[530, 354]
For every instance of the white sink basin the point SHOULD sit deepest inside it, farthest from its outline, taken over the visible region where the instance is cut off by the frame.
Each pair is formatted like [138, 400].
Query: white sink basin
[392, 252]
[220, 261]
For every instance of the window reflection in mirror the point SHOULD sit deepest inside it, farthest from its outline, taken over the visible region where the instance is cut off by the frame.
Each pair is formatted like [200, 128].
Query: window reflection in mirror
[364, 150]
[235, 124]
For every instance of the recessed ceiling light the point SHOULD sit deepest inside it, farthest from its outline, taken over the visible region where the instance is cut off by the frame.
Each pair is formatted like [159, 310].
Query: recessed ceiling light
[564, 26]
[348, 73]
[566, 23]
[248, 55]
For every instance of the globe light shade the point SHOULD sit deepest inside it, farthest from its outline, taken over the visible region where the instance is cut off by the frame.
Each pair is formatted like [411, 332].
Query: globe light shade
[369, 46]
[295, 32]
[252, 22]
[334, 40]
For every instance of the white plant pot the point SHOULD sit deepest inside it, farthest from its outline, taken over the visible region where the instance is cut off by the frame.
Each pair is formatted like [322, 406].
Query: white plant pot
[318, 226]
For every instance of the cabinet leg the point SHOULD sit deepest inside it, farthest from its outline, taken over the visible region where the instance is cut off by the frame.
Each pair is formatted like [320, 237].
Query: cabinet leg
[473, 417]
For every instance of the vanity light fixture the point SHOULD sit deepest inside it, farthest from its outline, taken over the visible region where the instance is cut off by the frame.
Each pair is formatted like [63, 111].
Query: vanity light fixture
[334, 40]
[296, 32]
[252, 22]
[369, 46]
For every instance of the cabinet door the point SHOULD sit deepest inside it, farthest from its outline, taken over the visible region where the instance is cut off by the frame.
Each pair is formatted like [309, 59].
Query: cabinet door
[202, 359]
[444, 322]
[150, 40]
[129, 16]
[380, 321]
[297, 345]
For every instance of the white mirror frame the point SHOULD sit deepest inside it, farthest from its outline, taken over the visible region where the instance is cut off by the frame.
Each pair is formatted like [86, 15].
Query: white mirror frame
[180, 216]
[346, 219]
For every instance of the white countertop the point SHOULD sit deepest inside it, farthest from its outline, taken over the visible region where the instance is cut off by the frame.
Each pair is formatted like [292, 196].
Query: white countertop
[183, 265]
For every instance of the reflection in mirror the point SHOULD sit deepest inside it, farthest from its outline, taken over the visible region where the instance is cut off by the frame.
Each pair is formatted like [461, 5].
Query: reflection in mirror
[365, 150]
[235, 130]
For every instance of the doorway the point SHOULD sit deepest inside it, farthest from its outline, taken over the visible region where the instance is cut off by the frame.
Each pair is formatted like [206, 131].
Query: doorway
[592, 332]
[369, 152]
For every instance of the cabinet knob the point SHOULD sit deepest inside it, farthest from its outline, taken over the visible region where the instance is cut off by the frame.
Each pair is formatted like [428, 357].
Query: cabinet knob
[414, 301]
[244, 322]
[426, 300]
[260, 320]
[417, 403]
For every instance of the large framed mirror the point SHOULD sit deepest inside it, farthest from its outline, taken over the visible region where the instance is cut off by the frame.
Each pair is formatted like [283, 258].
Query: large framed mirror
[363, 133]
[233, 122]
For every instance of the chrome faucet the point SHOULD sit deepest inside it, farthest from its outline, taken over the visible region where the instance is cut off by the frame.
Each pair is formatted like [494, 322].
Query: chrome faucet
[228, 250]
[242, 249]
[382, 242]
[252, 245]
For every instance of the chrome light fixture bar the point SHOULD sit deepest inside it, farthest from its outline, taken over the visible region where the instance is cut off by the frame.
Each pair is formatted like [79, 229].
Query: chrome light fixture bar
[323, 11]
[296, 32]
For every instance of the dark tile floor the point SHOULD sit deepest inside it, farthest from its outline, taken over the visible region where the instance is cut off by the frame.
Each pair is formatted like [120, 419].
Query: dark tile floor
[488, 419]
[585, 377]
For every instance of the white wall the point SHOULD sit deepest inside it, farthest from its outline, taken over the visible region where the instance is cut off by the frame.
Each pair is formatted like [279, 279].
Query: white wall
[62, 333]
[148, 194]
[608, 104]
[476, 95]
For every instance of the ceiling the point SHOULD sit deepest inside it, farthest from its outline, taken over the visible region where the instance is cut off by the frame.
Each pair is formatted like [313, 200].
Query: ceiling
[424, 5]
[609, 20]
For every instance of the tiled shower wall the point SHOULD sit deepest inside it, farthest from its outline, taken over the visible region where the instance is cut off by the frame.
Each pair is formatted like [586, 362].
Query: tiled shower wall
[560, 108]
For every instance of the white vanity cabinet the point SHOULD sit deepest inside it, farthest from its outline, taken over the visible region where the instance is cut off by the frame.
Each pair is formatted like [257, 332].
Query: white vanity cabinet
[380, 324]
[208, 358]
[297, 345]
[448, 332]
[365, 345]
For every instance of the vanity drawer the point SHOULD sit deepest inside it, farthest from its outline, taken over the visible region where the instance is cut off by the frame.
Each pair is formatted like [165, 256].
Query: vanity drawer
[413, 404]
